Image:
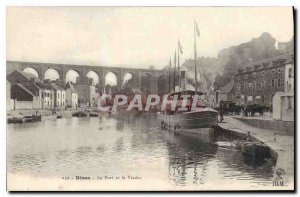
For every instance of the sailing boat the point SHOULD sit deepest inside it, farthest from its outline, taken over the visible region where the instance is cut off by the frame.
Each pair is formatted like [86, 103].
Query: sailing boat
[191, 118]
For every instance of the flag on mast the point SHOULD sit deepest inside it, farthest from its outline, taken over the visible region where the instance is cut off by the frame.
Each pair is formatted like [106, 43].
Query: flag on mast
[180, 47]
[197, 29]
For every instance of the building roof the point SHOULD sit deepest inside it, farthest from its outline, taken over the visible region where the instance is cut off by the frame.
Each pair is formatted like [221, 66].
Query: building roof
[41, 85]
[56, 87]
[25, 89]
[33, 88]
[269, 62]
[70, 86]
[29, 76]
[16, 74]
[228, 87]
[289, 93]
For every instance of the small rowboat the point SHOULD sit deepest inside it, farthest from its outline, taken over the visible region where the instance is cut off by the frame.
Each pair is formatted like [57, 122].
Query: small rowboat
[15, 120]
[79, 114]
[93, 114]
[33, 118]
[238, 143]
[255, 149]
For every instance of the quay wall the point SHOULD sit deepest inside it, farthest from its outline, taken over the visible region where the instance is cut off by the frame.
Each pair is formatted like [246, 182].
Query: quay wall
[281, 127]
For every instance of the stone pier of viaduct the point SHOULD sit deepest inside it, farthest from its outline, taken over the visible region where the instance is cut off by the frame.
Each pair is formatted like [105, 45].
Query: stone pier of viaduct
[83, 70]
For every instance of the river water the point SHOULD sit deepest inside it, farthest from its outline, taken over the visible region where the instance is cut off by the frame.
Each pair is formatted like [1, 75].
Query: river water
[129, 145]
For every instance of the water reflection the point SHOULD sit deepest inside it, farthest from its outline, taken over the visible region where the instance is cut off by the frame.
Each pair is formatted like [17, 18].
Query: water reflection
[132, 144]
[188, 153]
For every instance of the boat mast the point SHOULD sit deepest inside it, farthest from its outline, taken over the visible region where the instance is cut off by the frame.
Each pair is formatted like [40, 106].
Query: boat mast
[195, 57]
[179, 84]
[170, 66]
[174, 71]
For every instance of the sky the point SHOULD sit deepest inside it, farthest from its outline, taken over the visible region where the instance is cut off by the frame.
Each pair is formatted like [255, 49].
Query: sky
[135, 36]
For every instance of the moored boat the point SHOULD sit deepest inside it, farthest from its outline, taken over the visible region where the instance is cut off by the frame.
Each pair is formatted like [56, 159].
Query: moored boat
[79, 114]
[255, 149]
[200, 117]
[190, 113]
[15, 120]
[33, 118]
[93, 114]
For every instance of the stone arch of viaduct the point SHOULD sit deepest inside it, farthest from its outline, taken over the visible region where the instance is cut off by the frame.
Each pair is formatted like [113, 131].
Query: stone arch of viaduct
[82, 70]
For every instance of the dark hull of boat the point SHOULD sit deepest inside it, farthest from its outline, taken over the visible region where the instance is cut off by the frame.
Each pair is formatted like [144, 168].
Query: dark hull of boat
[15, 120]
[205, 119]
[23, 119]
[93, 114]
[255, 150]
[33, 118]
[79, 114]
[190, 120]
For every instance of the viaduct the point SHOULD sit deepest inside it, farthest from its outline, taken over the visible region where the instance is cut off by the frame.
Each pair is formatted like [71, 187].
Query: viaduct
[155, 76]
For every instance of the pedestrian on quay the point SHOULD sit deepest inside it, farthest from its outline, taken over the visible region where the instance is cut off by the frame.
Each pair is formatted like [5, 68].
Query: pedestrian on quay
[221, 115]
[248, 137]
[243, 111]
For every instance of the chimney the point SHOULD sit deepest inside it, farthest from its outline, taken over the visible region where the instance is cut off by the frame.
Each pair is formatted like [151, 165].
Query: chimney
[274, 63]
[182, 80]
[32, 80]
[281, 61]
[265, 65]
[256, 67]
[78, 80]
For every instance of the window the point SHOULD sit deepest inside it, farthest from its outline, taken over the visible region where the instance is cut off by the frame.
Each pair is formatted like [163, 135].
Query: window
[245, 85]
[238, 87]
[289, 102]
[279, 82]
[245, 76]
[290, 72]
[238, 77]
[254, 85]
[275, 83]
[254, 75]
[272, 83]
[273, 71]
[278, 70]
[263, 73]
[250, 85]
